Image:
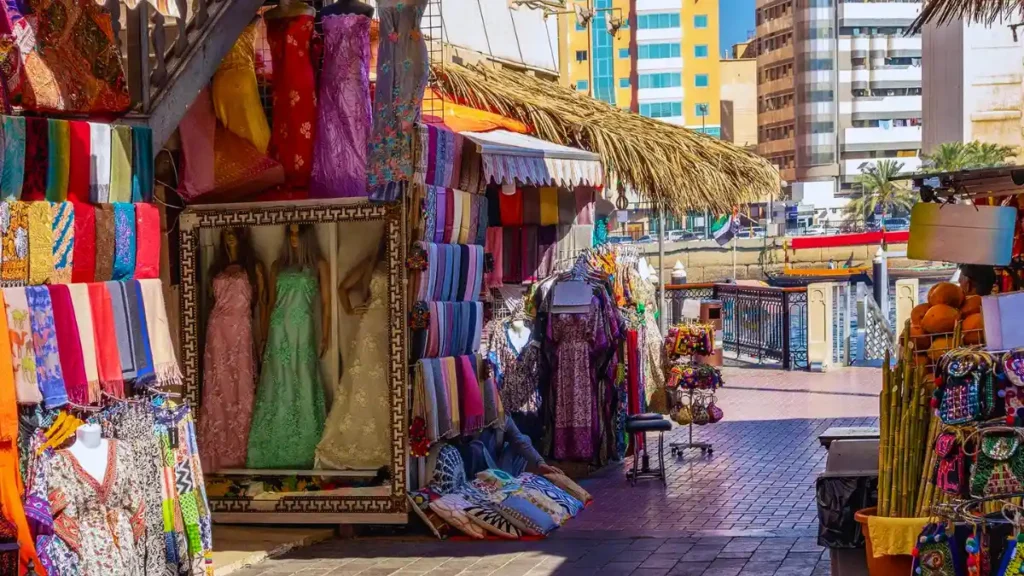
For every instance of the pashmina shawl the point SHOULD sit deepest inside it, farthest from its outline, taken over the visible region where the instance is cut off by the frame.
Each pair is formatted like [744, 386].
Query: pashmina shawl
[511, 206]
[108, 359]
[83, 261]
[493, 247]
[99, 164]
[87, 337]
[59, 160]
[145, 372]
[147, 246]
[40, 242]
[471, 402]
[439, 155]
[450, 373]
[429, 402]
[494, 206]
[494, 412]
[164, 361]
[104, 215]
[452, 215]
[123, 332]
[63, 242]
[440, 214]
[512, 254]
[547, 248]
[566, 207]
[37, 158]
[531, 206]
[13, 172]
[481, 226]
[69, 343]
[585, 206]
[444, 415]
[121, 164]
[466, 204]
[471, 177]
[142, 164]
[78, 166]
[124, 241]
[23, 353]
[44, 340]
[14, 225]
[530, 255]
[548, 206]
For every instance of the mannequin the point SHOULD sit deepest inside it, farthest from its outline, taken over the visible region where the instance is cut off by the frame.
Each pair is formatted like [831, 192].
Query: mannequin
[519, 334]
[289, 9]
[297, 244]
[91, 450]
[236, 252]
[347, 7]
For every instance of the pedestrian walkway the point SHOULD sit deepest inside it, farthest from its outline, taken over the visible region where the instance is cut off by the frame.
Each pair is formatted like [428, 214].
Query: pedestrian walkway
[749, 509]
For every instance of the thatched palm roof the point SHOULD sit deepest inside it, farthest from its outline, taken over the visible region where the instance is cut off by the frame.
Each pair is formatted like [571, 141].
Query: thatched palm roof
[668, 164]
[981, 11]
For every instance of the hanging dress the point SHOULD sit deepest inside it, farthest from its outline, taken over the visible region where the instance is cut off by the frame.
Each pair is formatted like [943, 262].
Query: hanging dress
[289, 416]
[573, 334]
[236, 96]
[339, 167]
[229, 381]
[358, 431]
[294, 88]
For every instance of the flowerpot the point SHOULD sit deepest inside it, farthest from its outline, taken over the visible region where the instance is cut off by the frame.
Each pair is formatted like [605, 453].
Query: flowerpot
[883, 565]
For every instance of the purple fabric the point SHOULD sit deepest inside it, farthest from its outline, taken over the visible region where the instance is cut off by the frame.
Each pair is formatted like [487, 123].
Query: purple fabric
[343, 125]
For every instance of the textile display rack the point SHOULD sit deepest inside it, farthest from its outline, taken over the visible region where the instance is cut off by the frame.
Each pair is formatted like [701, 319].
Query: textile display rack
[689, 381]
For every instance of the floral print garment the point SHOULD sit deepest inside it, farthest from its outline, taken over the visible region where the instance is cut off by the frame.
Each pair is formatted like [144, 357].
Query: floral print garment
[517, 372]
[44, 342]
[401, 79]
[291, 140]
[14, 226]
[23, 353]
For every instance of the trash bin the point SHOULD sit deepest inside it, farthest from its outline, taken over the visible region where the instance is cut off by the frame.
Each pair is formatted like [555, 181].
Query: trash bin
[849, 484]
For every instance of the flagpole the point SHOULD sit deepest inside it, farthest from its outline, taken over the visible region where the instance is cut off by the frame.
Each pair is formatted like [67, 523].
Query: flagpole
[735, 239]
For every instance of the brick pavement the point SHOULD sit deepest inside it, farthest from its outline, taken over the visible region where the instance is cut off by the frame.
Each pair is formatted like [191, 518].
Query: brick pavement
[749, 509]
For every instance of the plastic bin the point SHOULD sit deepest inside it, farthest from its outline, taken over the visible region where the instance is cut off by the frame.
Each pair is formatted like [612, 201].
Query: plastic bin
[850, 483]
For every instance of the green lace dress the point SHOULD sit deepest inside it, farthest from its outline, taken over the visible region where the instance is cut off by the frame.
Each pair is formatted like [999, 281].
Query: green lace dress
[290, 411]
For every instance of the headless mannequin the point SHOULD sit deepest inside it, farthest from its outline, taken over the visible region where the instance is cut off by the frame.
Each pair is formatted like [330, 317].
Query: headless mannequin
[347, 7]
[519, 335]
[91, 450]
[290, 9]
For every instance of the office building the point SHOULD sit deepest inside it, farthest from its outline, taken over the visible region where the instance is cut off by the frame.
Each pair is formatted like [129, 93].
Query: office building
[739, 95]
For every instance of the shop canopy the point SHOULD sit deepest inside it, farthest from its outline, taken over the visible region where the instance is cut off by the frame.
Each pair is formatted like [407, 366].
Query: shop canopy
[508, 157]
[666, 164]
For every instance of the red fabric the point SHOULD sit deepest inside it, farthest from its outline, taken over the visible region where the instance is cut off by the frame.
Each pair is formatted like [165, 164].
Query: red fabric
[897, 237]
[849, 240]
[471, 400]
[107, 360]
[291, 141]
[37, 159]
[78, 172]
[511, 206]
[633, 381]
[147, 251]
[69, 344]
[83, 265]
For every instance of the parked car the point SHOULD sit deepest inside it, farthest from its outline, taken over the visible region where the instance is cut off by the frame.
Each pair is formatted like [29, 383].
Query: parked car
[681, 236]
[619, 240]
[815, 231]
[646, 239]
[748, 232]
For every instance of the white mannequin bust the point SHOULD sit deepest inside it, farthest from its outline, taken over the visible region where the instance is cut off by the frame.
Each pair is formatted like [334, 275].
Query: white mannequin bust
[91, 450]
[519, 335]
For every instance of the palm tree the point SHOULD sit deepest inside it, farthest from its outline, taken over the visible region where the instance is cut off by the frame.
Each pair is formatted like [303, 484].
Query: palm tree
[956, 156]
[880, 190]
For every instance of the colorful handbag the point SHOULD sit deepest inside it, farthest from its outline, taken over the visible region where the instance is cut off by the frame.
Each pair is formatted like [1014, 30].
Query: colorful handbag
[935, 554]
[966, 393]
[683, 416]
[951, 467]
[715, 413]
[700, 413]
[999, 469]
[1011, 367]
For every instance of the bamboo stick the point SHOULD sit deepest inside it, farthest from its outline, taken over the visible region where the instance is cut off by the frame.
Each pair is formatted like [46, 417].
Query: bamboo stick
[883, 440]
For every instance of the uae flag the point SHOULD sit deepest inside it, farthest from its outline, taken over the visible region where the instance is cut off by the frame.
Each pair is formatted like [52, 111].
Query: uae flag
[725, 228]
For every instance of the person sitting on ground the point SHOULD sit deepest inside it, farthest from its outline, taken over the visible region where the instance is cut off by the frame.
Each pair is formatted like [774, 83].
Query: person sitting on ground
[505, 448]
[977, 280]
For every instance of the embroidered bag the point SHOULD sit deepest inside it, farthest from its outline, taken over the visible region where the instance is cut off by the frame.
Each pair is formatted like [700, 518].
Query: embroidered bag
[935, 555]
[999, 470]
[700, 412]
[951, 467]
[683, 415]
[715, 413]
[967, 392]
[1012, 367]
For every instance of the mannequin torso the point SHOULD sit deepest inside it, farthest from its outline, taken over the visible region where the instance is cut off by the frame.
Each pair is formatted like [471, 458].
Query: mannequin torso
[91, 450]
[289, 9]
[518, 335]
[348, 7]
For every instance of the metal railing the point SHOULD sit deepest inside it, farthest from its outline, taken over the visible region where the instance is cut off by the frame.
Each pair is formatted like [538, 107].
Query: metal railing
[758, 323]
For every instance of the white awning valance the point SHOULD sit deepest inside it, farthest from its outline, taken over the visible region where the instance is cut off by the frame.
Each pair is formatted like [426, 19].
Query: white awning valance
[509, 157]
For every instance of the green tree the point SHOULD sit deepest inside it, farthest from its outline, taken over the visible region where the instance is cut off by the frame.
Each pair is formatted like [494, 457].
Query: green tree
[881, 190]
[956, 156]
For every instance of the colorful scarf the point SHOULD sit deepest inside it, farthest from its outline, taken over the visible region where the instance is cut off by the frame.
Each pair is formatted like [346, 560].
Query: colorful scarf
[23, 353]
[63, 242]
[482, 223]
[99, 170]
[44, 341]
[494, 411]
[123, 331]
[37, 158]
[58, 161]
[14, 227]
[439, 160]
[164, 361]
[108, 359]
[450, 372]
[444, 414]
[429, 394]
[531, 206]
[124, 241]
[13, 173]
[147, 247]
[69, 342]
[78, 166]
[145, 372]
[548, 206]
[87, 337]
[566, 207]
[493, 248]
[471, 402]
[83, 261]
[467, 217]
[142, 164]
[104, 215]
[121, 164]
[40, 242]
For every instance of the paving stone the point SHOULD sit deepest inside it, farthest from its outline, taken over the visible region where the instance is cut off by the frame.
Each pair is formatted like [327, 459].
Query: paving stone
[689, 569]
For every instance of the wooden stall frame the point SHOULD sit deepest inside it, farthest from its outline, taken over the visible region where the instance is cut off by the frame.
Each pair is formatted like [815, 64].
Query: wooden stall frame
[390, 505]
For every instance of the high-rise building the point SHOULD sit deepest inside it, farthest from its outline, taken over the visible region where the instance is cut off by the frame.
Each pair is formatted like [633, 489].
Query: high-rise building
[663, 63]
[739, 95]
[839, 88]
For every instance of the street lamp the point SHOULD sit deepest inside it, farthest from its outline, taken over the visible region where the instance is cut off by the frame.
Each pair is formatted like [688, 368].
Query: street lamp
[703, 110]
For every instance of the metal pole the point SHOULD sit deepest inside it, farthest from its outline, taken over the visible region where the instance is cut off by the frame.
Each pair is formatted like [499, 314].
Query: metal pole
[662, 316]
[735, 240]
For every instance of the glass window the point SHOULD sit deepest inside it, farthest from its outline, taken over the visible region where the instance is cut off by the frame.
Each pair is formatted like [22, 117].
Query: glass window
[582, 85]
[700, 21]
[624, 53]
[700, 81]
[623, 82]
[701, 109]
[581, 55]
[700, 51]
[664, 50]
[661, 80]
[661, 109]
[653, 21]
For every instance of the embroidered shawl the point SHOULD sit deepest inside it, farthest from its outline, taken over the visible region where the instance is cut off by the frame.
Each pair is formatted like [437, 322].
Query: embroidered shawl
[14, 227]
[63, 242]
[104, 215]
[124, 241]
[44, 340]
[40, 242]
[83, 261]
[148, 244]
[23, 353]
[69, 344]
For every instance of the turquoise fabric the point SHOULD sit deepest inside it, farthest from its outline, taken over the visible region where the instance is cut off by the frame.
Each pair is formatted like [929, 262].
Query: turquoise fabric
[13, 174]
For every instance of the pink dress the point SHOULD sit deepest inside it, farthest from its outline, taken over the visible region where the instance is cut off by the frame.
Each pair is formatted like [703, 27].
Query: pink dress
[229, 375]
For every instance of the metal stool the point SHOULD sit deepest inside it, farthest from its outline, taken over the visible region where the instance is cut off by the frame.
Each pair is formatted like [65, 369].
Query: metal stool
[640, 425]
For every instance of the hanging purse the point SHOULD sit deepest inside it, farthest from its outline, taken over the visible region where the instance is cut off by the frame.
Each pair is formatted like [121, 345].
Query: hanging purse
[999, 469]
[935, 554]
[951, 467]
[1011, 369]
[715, 413]
[700, 412]
[683, 416]
[966, 393]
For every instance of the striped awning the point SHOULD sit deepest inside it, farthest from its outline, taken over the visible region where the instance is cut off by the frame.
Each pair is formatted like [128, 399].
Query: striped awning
[510, 158]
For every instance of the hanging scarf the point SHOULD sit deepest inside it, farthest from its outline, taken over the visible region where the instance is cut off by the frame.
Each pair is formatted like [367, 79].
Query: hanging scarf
[142, 164]
[444, 414]
[83, 261]
[63, 242]
[44, 341]
[145, 373]
[123, 332]
[124, 241]
[23, 353]
[59, 160]
[471, 402]
[14, 225]
[37, 158]
[104, 242]
[147, 246]
[13, 173]
[108, 358]
[69, 344]
[429, 393]
[40, 242]
[481, 226]
[99, 165]
[494, 412]
[121, 164]
[78, 165]
[450, 374]
[87, 337]
[164, 361]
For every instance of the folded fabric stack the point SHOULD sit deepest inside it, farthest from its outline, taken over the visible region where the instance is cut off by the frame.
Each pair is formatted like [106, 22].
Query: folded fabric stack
[449, 400]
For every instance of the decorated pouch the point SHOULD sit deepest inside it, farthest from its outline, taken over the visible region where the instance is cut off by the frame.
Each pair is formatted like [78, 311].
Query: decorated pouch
[935, 554]
[700, 413]
[951, 467]
[999, 470]
[1012, 368]
[683, 416]
[967, 392]
[715, 413]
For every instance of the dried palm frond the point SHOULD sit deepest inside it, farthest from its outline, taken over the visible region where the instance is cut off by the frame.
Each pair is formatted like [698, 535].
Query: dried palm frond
[979, 11]
[678, 168]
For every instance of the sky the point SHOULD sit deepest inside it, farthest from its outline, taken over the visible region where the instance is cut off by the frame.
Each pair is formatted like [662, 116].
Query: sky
[736, 22]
